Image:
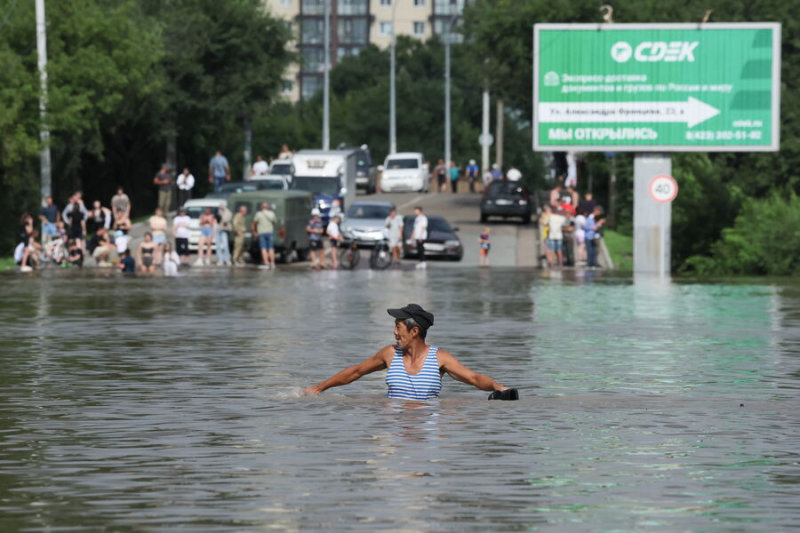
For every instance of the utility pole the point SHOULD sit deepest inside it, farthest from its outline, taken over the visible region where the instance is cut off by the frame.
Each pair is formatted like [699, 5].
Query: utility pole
[326, 86]
[447, 97]
[392, 90]
[498, 148]
[44, 132]
[248, 148]
[485, 132]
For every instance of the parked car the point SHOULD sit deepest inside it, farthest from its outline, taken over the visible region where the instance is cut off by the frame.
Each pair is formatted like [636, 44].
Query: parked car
[279, 169]
[366, 175]
[365, 221]
[506, 199]
[195, 208]
[442, 239]
[262, 184]
[293, 210]
[404, 171]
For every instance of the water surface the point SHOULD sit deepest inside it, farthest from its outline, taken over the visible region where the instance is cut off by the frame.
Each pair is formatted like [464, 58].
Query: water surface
[171, 404]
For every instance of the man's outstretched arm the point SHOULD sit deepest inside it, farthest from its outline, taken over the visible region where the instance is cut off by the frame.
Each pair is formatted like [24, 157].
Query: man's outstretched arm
[459, 372]
[352, 373]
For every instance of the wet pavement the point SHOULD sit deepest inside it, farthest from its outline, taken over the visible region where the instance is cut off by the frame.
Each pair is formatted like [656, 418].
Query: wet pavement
[156, 404]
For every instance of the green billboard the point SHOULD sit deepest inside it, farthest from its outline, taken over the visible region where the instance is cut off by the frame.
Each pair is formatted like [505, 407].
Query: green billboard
[656, 87]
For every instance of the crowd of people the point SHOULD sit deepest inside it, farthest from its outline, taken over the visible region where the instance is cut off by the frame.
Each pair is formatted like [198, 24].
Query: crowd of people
[571, 228]
[448, 176]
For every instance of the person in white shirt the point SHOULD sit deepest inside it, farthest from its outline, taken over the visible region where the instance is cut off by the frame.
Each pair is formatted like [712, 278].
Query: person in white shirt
[185, 182]
[555, 242]
[420, 234]
[394, 223]
[180, 229]
[580, 237]
[513, 174]
[285, 153]
[171, 261]
[335, 236]
[260, 167]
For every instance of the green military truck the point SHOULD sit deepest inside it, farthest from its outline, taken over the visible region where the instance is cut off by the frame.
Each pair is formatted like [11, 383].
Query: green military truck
[293, 209]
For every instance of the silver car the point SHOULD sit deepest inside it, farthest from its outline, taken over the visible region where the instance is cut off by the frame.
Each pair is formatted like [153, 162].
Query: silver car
[365, 221]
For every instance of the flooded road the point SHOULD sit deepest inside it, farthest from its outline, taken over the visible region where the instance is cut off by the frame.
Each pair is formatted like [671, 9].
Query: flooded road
[151, 405]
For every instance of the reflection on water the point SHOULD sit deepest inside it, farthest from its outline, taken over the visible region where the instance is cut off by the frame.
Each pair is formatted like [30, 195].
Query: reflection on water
[156, 404]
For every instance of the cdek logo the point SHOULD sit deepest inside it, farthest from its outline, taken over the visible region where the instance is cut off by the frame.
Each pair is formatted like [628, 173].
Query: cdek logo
[652, 51]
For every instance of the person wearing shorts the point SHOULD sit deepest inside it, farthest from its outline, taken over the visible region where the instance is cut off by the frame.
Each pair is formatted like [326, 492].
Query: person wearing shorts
[555, 244]
[483, 247]
[180, 228]
[264, 223]
[158, 227]
[394, 225]
[315, 231]
[208, 223]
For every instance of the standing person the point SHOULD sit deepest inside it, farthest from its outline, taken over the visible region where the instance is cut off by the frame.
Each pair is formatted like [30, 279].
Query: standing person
[263, 225]
[594, 223]
[171, 261]
[163, 180]
[394, 223]
[285, 153]
[208, 223]
[219, 170]
[145, 254]
[544, 232]
[180, 229]
[99, 217]
[336, 237]
[555, 195]
[419, 235]
[472, 172]
[488, 178]
[185, 183]
[485, 246]
[121, 203]
[441, 173]
[513, 174]
[314, 229]
[224, 227]
[75, 217]
[556, 224]
[497, 172]
[260, 167]
[158, 227]
[415, 368]
[239, 230]
[454, 171]
[121, 228]
[588, 204]
[580, 238]
[49, 216]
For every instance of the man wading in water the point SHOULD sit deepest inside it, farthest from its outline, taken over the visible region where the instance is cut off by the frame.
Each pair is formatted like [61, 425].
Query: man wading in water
[415, 369]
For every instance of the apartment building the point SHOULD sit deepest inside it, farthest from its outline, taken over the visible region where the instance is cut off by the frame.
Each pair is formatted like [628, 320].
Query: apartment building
[354, 25]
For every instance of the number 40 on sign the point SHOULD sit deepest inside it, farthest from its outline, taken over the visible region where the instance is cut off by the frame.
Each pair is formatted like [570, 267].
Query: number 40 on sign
[663, 189]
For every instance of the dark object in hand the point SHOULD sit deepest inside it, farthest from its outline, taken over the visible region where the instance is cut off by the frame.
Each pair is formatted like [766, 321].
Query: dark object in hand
[506, 395]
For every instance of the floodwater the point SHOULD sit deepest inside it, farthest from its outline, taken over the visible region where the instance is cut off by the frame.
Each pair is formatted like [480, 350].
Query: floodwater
[150, 405]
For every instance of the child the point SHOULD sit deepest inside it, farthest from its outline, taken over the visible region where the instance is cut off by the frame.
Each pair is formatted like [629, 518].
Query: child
[171, 261]
[75, 253]
[485, 246]
[126, 263]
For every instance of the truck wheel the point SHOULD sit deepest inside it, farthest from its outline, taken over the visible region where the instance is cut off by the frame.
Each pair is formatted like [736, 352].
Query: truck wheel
[302, 254]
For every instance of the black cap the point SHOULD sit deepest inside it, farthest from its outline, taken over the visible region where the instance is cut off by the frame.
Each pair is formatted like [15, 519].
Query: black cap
[420, 316]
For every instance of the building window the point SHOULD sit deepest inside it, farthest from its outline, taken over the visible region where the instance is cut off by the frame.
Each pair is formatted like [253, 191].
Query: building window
[288, 86]
[353, 31]
[419, 3]
[313, 31]
[343, 51]
[288, 3]
[386, 28]
[352, 7]
[311, 84]
[312, 7]
[419, 28]
[448, 7]
[313, 59]
[386, 2]
[289, 27]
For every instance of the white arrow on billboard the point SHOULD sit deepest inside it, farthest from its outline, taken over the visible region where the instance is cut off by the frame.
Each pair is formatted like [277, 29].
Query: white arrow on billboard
[692, 112]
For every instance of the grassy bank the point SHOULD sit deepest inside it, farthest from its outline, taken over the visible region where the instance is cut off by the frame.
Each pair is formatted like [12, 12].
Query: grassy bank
[7, 263]
[621, 249]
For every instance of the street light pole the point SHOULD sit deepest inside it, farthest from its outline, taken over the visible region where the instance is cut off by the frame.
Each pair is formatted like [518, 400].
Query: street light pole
[392, 90]
[447, 155]
[326, 84]
[44, 132]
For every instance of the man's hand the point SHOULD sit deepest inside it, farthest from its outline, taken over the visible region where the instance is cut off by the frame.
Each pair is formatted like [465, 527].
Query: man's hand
[314, 389]
[211, 179]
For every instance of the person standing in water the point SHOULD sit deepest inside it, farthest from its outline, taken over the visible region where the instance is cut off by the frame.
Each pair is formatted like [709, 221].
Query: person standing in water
[415, 368]
[485, 246]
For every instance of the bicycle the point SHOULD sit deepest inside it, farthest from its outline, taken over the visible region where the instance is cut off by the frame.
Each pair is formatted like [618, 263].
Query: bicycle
[349, 254]
[381, 256]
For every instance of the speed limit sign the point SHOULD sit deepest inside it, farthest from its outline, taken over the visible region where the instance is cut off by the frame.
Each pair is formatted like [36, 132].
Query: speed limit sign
[663, 189]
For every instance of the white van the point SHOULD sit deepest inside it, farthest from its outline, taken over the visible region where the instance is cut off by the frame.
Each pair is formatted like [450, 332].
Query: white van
[404, 171]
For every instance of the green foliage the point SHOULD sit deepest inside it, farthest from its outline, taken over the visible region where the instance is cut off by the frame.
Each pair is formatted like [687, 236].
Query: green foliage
[620, 248]
[765, 239]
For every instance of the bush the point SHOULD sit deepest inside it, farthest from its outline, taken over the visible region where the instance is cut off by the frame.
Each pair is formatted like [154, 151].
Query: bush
[765, 239]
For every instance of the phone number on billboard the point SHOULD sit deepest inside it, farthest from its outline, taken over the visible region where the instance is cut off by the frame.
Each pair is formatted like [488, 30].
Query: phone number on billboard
[725, 135]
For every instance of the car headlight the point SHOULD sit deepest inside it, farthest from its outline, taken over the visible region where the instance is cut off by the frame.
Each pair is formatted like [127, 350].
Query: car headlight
[452, 244]
[490, 202]
[523, 202]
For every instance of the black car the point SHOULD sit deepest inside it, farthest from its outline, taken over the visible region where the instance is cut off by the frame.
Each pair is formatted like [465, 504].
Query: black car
[442, 240]
[506, 199]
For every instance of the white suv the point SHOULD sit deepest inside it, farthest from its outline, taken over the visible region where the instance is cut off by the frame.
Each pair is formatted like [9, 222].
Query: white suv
[404, 171]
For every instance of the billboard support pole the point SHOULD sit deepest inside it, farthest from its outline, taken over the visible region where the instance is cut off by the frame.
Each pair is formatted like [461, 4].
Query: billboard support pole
[651, 220]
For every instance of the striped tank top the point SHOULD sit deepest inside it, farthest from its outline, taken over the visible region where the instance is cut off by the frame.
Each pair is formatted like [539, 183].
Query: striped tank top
[424, 385]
